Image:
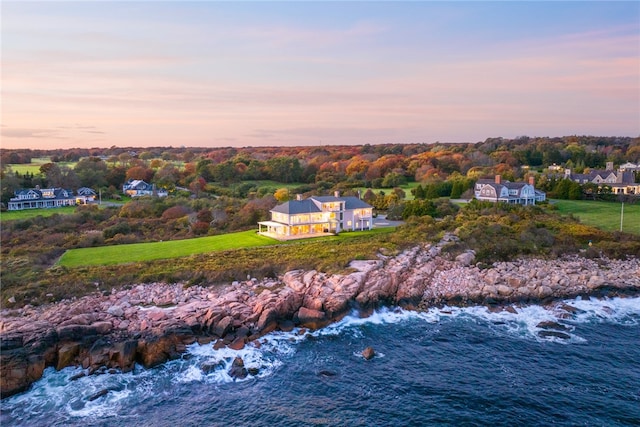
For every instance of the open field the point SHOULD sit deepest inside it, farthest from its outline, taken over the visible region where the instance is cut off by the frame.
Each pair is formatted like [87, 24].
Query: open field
[139, 252]
[32, 213]
[34, 166]
[407, 189]
[604, 215]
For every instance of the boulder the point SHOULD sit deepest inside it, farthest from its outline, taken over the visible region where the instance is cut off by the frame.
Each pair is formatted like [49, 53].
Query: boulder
[223, 326]
[368, 353]
[237, 344]
[466, 258]
[313, 319]
[238, 371]
[504, 290]
[66, 355]
[116, 311]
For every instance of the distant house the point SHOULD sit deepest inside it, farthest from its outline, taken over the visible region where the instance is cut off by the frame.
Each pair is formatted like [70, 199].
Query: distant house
[497, 190]
[621, 181]
[317, 215]
[85, 196]
[629, 167]
[36, 198]
[137, 188]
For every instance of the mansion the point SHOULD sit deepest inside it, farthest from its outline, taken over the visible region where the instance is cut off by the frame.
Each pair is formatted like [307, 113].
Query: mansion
[317, 216]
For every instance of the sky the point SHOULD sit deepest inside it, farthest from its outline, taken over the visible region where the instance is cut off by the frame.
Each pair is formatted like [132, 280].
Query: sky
[218, 74]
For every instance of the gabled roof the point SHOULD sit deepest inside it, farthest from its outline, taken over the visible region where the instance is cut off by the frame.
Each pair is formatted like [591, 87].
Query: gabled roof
[137, 184]
[293, 207]
[355, 203]
[310, 205]
[57, 193]
[86, 191]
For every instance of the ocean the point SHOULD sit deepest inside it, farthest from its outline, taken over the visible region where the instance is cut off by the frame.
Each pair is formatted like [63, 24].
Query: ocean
[575, 363]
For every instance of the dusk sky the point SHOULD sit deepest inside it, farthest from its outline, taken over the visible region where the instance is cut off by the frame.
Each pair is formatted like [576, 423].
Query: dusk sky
[97, 74]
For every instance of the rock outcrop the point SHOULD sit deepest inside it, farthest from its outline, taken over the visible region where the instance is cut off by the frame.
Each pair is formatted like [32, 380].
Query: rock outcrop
[152, 323]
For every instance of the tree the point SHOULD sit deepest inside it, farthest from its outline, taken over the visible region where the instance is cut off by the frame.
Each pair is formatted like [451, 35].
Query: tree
[393, 179]
[419, 192]
[281, 195]
[92, 172]
[369, 196]
[140, 172]
[418, 208]
[284, 169]
[225, 173]
[9, 183]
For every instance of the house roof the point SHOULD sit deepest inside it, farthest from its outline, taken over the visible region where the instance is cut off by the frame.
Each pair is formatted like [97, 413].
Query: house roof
[518, 186]
[355, 203]
[296, 207]
[309, 205]
[44, 193]
[328, 199]
[86, 191]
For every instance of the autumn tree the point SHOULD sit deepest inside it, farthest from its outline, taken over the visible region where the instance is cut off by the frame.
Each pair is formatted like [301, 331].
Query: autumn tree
[281, 195]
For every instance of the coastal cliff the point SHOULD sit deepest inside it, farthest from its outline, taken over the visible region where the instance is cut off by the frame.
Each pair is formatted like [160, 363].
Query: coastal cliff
[152, 323]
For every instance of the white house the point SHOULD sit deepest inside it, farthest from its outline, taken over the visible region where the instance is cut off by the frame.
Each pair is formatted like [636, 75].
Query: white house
[497, 190]
[137, 188]
[317, 215]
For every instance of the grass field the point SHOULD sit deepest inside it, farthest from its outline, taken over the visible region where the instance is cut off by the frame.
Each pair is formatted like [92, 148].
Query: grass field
[34, 166]
[407, 189]
[32, 213]
[604, 215]
[138, 252]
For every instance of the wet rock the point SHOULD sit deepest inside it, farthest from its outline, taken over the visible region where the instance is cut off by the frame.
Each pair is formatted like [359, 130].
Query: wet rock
[551, 325]
[286, 325]
[97, 395]
[253, 371]
[66, 355]
[209, 367]
[326, 374]
[368, 353]
[313, 319]
[237, 344]
[237, 369]
[77, 376]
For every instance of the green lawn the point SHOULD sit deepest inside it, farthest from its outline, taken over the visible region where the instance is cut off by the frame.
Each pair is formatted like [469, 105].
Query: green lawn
[32, 213]
[137, 252]
[407, 189]
[604, 215]
[34, 166]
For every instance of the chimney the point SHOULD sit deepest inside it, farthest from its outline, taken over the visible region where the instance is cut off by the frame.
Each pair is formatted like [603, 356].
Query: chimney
[609, 166]
[532, 181]
[567, 173]
[336, 193]
[498, 179]
[298, 197]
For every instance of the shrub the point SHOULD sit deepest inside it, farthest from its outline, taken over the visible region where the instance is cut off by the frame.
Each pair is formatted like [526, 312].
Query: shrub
[120, 228]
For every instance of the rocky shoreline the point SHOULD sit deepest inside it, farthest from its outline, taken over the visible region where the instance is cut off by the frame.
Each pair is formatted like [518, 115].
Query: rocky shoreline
[152, 323]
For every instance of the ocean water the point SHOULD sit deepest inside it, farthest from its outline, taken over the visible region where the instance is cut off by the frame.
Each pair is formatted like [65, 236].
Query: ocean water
[447, 366]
